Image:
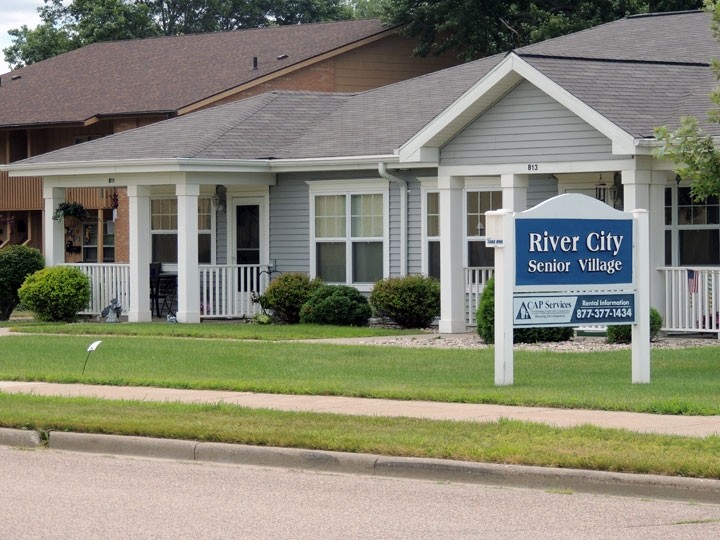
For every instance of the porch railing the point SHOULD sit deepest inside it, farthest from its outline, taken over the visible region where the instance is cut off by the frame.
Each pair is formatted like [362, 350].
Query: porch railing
[226, 291]
[107, 281]
[692, 300]
[475, 280]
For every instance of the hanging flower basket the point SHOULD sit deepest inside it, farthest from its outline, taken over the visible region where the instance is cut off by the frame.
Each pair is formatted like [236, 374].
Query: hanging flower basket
[70, 209]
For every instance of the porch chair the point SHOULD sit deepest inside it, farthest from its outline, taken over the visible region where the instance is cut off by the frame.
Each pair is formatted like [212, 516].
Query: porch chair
[163, 290]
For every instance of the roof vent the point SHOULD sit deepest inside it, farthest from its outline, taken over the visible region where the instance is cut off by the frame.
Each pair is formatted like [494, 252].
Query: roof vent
[282, 57]
[15, 77]
[255, 62]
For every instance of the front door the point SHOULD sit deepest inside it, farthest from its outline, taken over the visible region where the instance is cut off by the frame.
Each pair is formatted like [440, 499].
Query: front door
[249, 229]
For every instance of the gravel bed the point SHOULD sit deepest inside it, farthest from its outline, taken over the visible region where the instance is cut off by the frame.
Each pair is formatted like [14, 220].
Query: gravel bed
[578, 344]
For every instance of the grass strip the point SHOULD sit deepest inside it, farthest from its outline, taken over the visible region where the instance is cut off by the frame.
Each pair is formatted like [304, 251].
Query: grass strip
[226, 330]
[683, 381]
[506, 441]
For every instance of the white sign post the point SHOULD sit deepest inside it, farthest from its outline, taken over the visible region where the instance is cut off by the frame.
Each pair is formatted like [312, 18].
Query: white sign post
[570, 261]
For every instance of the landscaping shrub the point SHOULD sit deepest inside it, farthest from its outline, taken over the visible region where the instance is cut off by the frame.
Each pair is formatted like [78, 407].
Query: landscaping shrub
[57, 293]
[410, 301]
[622, 333]
[336, 304]
[485, 318]
[16, 264]
[286, 294]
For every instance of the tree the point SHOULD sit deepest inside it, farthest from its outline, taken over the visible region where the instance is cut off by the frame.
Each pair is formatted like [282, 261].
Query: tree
[477, 28]
[364, 9]
[64, 28]
[693, 151]
[30, 46]
[16, 264]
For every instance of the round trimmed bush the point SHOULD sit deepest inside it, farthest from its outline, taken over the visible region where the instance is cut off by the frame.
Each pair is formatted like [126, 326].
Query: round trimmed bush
[485, 318]
[336, 304]
[622, 333]
[410, 301]
[57, 293]
[16, 264]
[286, 294]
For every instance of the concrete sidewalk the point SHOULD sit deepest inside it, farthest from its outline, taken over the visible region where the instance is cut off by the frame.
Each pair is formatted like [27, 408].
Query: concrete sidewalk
[692, 426]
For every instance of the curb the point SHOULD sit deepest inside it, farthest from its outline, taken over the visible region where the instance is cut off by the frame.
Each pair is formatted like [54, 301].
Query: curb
[21, 438]
[520, 476]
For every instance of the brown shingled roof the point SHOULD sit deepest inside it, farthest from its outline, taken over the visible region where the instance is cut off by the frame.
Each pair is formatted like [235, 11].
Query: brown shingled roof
[163, 75]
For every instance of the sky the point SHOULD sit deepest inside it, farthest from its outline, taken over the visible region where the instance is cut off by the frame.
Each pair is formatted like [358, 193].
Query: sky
[13, 14]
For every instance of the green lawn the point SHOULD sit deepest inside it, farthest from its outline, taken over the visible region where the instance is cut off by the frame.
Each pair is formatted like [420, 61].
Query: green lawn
[683, 381]
[230, 330]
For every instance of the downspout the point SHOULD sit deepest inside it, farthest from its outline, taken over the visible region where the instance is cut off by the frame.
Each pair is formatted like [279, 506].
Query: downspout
[384, 173]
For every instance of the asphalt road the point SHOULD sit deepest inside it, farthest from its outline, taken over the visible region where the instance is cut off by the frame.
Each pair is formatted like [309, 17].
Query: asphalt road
[62, 495]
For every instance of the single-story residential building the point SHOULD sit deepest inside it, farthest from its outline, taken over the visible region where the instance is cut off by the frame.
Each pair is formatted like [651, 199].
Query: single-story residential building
[396, 180]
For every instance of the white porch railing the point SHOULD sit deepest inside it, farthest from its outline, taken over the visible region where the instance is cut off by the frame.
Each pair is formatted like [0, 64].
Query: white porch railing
[475, 280]
[226, 291]
[107, 281]
[692, 302]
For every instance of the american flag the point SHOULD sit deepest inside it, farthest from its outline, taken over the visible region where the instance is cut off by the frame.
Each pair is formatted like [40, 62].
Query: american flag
[693, 279]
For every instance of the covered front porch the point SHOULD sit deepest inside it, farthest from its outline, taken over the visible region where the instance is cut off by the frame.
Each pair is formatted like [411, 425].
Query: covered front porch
[208, 230]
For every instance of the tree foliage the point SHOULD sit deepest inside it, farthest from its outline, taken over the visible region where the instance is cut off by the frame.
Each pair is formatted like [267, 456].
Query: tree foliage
[477, 28]
[694, 152]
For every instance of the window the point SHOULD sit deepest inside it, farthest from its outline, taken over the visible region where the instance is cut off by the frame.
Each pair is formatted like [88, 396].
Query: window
[349, 236]
[479, 202]
[163, 226]
[692, 229]
[432, 233]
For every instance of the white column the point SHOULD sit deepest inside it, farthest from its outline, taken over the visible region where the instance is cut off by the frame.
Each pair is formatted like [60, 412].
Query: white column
[644, 189]
[452, 274]
[657, 239]
[139, 252]
[504, 284]
[188, 271]
[53, 231]
[641, 329]
[514, 191]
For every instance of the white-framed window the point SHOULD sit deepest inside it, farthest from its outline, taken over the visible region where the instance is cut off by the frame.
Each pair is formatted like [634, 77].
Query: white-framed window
[692, 229]
[476, 204]
[163, 228]
[349, 232]
[431, 200]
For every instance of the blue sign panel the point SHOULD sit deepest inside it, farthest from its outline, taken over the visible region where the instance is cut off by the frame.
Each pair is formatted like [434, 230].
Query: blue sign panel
[573, 252]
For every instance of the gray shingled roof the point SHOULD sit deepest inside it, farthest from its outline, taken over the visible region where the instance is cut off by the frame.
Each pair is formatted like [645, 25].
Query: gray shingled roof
[635, 95]
[255, 128]
[162, 74]
[661, 37]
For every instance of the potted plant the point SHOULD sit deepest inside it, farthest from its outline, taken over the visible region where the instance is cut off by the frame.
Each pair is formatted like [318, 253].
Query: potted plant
[70, 209]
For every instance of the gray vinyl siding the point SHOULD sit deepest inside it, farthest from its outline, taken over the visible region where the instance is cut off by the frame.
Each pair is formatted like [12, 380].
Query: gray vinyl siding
[395, 229]
[526, 125]
[290, 224]
[414, 218]
[541, 188]
[221, 237]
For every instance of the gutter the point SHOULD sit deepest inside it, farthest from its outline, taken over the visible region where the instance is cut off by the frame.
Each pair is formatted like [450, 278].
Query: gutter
[384, 173]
